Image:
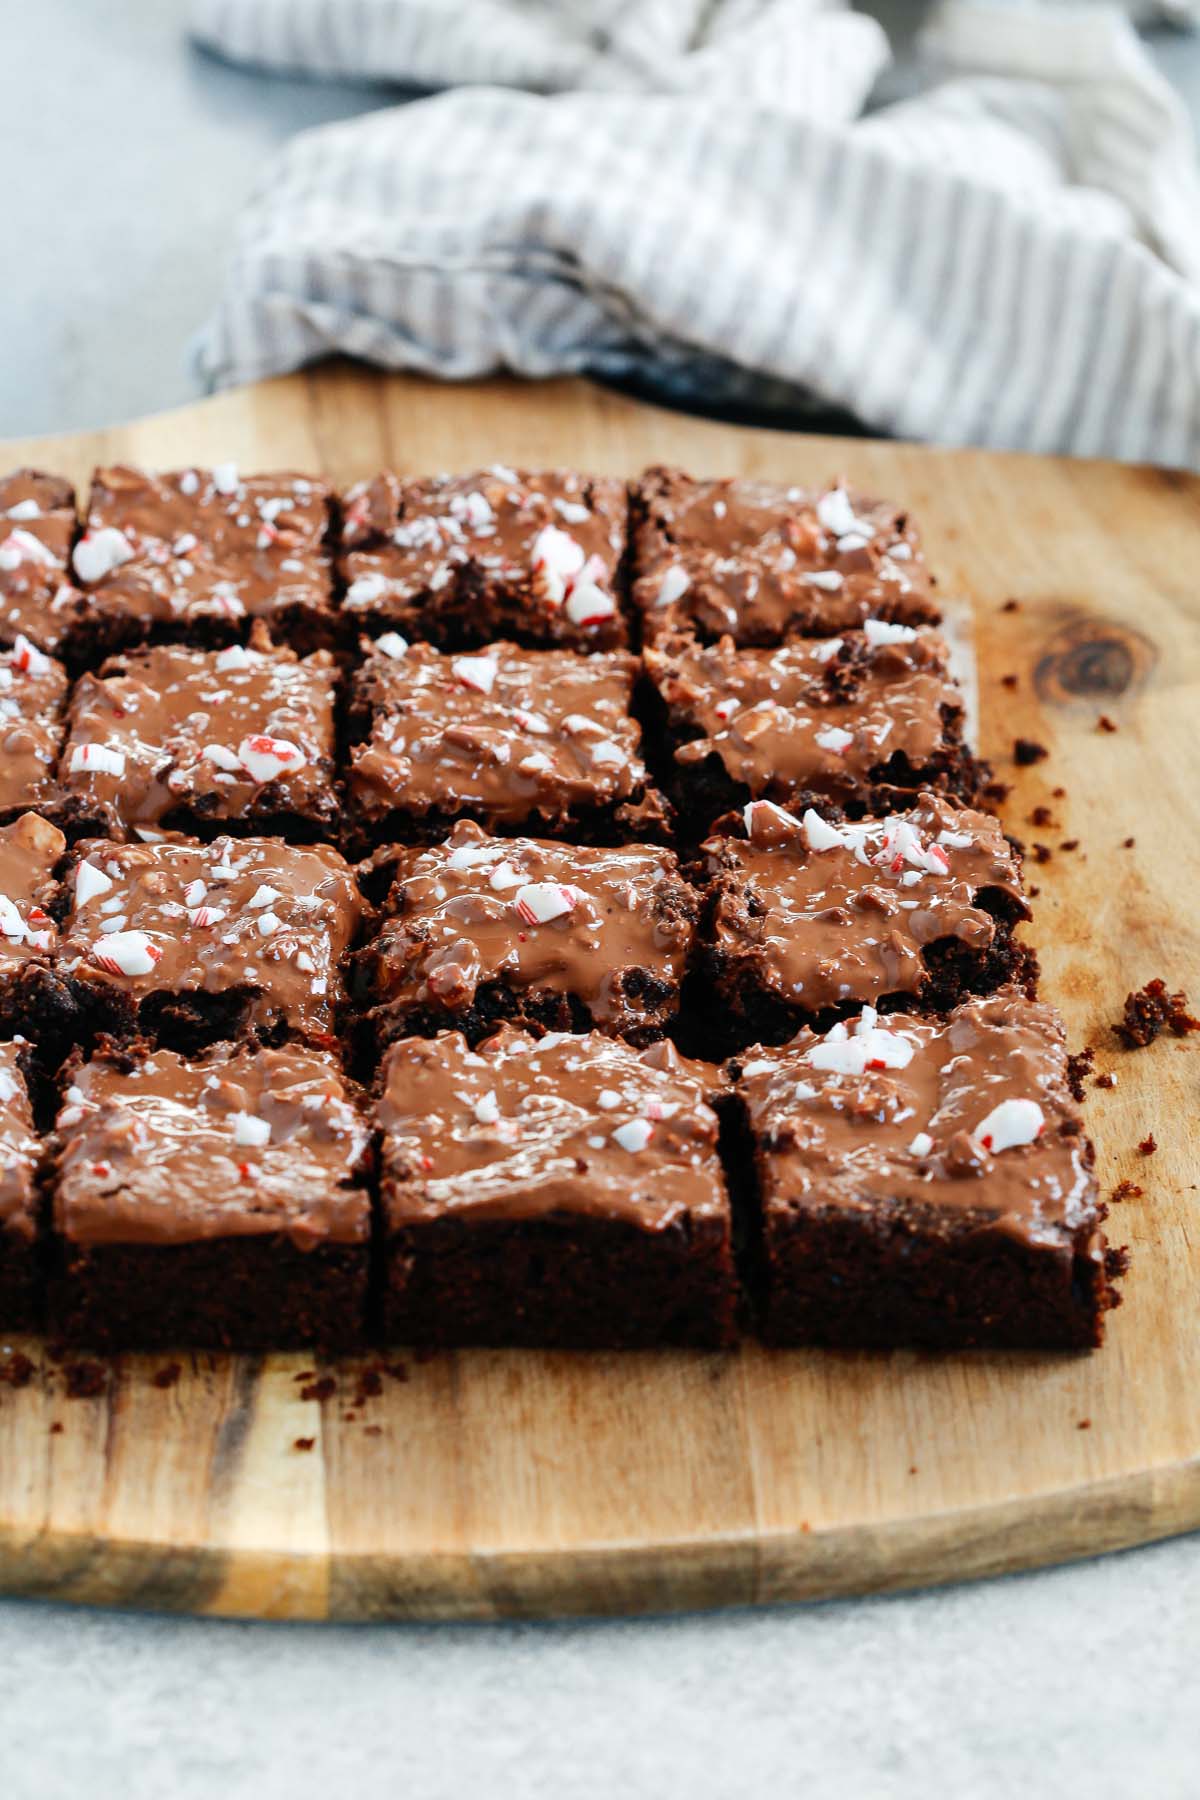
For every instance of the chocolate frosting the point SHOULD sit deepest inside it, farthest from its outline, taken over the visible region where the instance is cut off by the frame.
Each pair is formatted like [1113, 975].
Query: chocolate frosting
[20, 1149]
[169, 1151]
[525, 1128]
[30, 849]
[761, 562]
[251, 914]
[193, 729]
[204, 543]
[907, 1136]
[37, 525]
[815, 716]
[467, 911]
[825, 914]
[33, 693]
[473, 545]
[503, 732]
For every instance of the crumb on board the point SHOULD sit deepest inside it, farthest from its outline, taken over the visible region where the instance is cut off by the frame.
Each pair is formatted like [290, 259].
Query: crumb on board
[1027, 751]
[1104, 723]
[1148, 1144]
[1011, 606]
[16, 1369]
[1152, 1009]
[1126, 1190]
[86, 1379]
[324, 1388]
[303, 1443]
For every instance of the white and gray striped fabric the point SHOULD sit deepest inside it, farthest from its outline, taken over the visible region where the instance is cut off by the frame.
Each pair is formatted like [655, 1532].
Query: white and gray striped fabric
[691, 196]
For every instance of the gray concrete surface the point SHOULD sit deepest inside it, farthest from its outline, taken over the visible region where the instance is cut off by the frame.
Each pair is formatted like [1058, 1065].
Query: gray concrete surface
[131, 155]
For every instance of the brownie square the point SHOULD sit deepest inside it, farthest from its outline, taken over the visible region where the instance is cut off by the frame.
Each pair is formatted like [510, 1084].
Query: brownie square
[196, 554]
[556, 937]
[463, 559]
[37, 529]
[761, 563]
[184, 943]
[537, 739]
[565, 1192]
[851, 719]
[810, 917]
[190, 740]
[20, 1158]
[31, 1003]
[927, 1182]
[33, 698]
[219, 1203]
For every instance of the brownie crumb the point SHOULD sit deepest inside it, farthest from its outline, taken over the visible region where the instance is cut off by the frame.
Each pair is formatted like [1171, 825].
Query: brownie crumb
[1042, 853]
[1027, 751]
[1107, 1080]
[398, 1371]
[1033, 891]
[1127, 843]
[370, 1385]
[16, 1369]
[997, 791]
[303, 1443]
[1079, 1067]
[1011, 606]
[55, 1427]
[324, 1389]
[1009, 681]
[372, 1430]
[1041, 815]
[1152, 1009]
[1084, 1425]
[1104, 723]
[85, 1380]
[1058, 793]
[1126, 1190]
[168, 1375]
[1149, 1144]
[305, 1375]
[1069, 844]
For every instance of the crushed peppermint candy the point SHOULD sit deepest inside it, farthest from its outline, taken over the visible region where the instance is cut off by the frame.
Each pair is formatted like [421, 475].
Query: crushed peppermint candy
[674, 585]
[225, 477]
[22, 546]
[836, 515]
[89, 882]
[819, 834]
[922, 1144]
[870, 1047]
[12, 926]
[248, 1128]
[761, 814]
[391, 643]
[589, 604]
[558, 559]
[236, 656]
[365, 590]
[634, 1135]
[833, 737]
[487, 1110]
[264, 895]
[878, 632]
[28, 658]
[266, 758]
[478, 672]
[99, 551]
[1010, 1126]
[126, 953]
[194, 892]
[540, 901]
[98, 759]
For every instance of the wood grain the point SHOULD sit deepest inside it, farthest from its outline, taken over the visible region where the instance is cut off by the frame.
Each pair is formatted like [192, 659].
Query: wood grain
[493, 1483]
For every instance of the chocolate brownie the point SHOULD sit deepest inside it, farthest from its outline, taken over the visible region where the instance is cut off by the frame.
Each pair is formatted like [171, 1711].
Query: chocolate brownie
[20, 1158]
[37, 528]
[31, 850]
[33, 697]
[240, 739]
[197, 554]
[539, 739]
[927, 1182]
[850, 719]
[762, 563]
[185, 943]
[551, 936]
[809, 917]
[565, 1192]
[463, 559]
[219, 1203]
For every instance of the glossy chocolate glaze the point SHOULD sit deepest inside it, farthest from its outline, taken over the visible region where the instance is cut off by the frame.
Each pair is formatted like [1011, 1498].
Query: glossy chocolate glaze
[466, 913]
[524, 1128]
[761, 562]
[501, 732]
[882, 1137]
[37, 525]
[20, 1149]
[824, 914]
[181, 724]
[165, 1150]
[435, 550]
[204, 544]
[812, 715]
[33, 695]
[30, 849]
[251, 914]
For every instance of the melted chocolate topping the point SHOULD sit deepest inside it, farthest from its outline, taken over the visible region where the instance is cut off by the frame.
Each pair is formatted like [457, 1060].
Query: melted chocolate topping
[761, 562]
[33, 693]
[902, 1111]
[826, 914]
[37, 525]
[240, 1143]
[523, 1128]
[250, 914]
[20, 1150]
[30, 850]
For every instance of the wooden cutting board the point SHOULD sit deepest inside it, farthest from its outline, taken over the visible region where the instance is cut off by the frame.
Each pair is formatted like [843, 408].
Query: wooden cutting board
[482, 1483]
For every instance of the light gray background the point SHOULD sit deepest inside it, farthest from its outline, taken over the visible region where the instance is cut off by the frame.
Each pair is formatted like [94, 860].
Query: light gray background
[126, 157]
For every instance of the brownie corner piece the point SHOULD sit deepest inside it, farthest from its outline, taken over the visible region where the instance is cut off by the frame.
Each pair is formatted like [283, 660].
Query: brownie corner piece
[220, 1203]
[461, 559]
[927, 1182]
[549, 936]
[20, 1162]
[762, 562]
[33, 701]
[565, 1192]
[37, 529]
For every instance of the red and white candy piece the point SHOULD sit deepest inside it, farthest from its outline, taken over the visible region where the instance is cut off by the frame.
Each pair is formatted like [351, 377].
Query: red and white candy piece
[921, 1145]
[21, 546]
[587, 603]
[12, 925]
[225, 477]
[478, 672]
[249, 1129]
[487, 1110]
[634, 1135]
[762, 819]
[28, 658]
[267, 758]
[1010, 1126]
[902, 843]
[819, 834]
[834, 738]
[673, 586]
[869, 1048]
[391, 644]
[126, 953]
[99, 551]
[90, 882]
[557, 558]
[235, 656]
[540, 901]
[96, 759]
[878, 632]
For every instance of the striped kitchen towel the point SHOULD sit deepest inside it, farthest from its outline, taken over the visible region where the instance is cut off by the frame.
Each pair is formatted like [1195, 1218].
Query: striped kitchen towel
[689, 192]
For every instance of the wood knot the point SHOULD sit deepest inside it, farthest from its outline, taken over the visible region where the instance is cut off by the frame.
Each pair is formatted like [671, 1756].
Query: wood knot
[1093, 660]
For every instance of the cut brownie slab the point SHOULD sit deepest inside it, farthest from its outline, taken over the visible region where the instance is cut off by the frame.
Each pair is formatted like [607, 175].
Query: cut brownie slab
[552, 936]
[762, 563]
[540, 739]
[811, 916]
[37, 528]
[191, 739]
[31, 850]
[928, 1182]
[198, 553]
[33, 698]
[463, 559]
[851, 719]
[219, 1203]
[20, 1157]
[563, 1192]
[186, 943]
